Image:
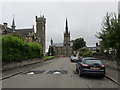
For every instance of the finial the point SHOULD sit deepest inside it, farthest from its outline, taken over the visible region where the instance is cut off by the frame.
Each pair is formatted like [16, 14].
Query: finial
[40, 13]
[33, 26]
[13, 16]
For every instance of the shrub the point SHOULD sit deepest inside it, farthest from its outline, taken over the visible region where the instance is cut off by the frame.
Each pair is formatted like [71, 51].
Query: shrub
[16, 49]
[87, 54]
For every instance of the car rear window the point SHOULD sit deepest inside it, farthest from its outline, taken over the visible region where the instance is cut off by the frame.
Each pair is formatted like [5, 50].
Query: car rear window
[92, 61]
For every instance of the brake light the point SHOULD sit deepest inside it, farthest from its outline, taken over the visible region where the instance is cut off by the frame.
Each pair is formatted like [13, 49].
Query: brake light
[102, 65]
[85, 65]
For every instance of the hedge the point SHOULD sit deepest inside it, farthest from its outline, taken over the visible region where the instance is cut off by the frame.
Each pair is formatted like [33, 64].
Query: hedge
[16, 49]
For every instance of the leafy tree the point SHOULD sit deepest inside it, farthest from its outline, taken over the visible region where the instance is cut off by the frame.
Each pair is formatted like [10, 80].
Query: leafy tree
[51, 51]
[110, 33]
[78, 43]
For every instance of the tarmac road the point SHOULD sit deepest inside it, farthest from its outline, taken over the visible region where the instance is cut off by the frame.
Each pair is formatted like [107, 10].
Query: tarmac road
[44, 77]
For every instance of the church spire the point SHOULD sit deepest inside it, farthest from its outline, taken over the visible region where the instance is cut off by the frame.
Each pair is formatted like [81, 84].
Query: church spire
[13, 24]
[66, 27]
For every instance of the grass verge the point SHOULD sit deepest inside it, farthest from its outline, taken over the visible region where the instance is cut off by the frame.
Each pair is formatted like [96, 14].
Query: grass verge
[47, 57]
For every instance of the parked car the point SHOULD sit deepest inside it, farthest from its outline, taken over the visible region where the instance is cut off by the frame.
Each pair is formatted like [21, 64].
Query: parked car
[73, 58]
[90, 66]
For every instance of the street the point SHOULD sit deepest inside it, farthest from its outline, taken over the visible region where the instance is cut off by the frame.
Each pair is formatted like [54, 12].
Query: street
[44, 76]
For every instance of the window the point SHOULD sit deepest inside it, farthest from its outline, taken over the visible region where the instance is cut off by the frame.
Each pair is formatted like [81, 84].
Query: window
[92, 61]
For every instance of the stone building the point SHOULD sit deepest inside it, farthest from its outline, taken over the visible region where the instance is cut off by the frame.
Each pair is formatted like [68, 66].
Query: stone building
[28, 34]
[119, 7]
[65, 48]
[40, 31]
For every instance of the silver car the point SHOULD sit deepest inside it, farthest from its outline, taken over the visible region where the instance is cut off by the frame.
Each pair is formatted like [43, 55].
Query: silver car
[73, 59]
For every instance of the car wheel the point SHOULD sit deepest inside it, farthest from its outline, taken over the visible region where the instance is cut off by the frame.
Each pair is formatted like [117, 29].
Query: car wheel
[103, 76]
[80, 74]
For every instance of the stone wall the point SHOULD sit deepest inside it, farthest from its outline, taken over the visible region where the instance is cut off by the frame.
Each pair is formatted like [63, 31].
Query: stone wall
[19, 64]
[112, 63]
[22, 63]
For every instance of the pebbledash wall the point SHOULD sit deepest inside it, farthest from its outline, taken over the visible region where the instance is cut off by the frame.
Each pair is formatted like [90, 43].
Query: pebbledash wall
[112, 63]
[23, 63]
[19, 64]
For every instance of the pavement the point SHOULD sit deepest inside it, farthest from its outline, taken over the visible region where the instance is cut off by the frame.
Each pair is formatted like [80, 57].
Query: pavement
[113, 74]
[46, 75]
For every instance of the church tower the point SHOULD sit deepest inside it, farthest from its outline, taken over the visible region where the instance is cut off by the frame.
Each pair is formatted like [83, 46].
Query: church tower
[66, 35]
[119, 8]
[66, 42]
[40, 31]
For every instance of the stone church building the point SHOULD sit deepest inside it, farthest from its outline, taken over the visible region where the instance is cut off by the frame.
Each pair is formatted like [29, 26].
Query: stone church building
[65, 48]
[28, 34]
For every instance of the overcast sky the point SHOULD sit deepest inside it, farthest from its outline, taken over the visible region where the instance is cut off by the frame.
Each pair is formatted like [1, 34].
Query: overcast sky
[84, 18]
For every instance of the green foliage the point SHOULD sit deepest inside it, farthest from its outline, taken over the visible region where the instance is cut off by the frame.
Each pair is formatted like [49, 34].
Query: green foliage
[48, 57]
[85, 52]
[78, 43]
[110, 33]
[83, 49]
[15, 49]
[51, 51]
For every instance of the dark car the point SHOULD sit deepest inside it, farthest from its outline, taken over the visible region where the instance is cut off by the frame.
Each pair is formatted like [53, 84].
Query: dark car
[73, 58]
[90, 66]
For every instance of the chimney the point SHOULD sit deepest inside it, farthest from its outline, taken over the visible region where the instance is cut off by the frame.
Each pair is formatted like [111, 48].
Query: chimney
[96, 44]
[5, 25]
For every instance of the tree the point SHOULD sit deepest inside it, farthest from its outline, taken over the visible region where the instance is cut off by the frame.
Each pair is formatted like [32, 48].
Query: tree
[51, 51]
[110, 33]
[78, 43]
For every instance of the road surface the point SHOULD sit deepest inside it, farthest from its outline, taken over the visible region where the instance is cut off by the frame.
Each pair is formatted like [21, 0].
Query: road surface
[44, 76]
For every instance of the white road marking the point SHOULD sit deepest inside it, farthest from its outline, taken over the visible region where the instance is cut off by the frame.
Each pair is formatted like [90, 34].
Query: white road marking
[57, 73]
[31, 73]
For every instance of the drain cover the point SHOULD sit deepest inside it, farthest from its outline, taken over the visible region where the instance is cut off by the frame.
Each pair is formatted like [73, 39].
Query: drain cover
[34, 72]
[57, 72]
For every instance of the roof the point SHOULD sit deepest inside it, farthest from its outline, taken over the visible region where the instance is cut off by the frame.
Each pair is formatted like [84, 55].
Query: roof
[58, 44]
[93, 48]
[24, 31]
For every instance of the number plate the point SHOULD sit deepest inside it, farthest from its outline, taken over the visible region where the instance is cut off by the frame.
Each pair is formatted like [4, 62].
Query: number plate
[95, 68]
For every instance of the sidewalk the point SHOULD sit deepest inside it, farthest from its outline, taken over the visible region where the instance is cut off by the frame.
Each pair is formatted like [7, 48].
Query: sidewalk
[18, 70]
[113, 73]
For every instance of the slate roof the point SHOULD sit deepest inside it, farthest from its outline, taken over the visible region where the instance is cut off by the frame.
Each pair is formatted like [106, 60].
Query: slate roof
[58, 44]
[24, 31]
[8, 30]
[93, 48]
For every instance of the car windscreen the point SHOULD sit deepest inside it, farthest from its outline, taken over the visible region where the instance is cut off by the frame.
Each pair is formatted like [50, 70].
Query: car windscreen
[92, 62]
[74, 57]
